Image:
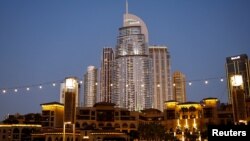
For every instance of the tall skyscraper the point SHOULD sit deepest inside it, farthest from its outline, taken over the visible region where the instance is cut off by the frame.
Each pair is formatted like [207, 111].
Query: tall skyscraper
[161, 76]
[179, 86]
[238, 65]
[132, 87]
[90, 86]
[106, 74]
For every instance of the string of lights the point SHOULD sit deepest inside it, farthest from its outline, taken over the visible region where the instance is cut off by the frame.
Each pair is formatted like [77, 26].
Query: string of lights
[206, 81]
[41, 86]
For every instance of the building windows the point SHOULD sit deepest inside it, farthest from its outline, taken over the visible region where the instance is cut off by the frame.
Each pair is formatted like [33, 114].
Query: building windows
[105, 115]
[124, 125]
[46, 113]
[16, 133]
[208, 113]
[170, 114]
[84, 112]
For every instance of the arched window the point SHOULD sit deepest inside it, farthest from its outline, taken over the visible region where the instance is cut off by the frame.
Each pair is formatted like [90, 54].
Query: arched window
[184, 109]
[192, 109]
[124, 125]
[85, 124]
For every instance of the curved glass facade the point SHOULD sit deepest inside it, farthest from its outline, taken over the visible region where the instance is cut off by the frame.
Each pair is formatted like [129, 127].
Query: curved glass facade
[132, 87]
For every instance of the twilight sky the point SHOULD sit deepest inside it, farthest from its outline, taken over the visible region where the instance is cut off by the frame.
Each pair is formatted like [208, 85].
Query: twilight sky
[44, 41]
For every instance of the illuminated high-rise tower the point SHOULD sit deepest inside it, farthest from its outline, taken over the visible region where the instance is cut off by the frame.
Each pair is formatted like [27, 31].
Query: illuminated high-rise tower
[106, 74]
[161, 76]
[62, 94]
[238, 65]
[70, 92]
[69, 115]
[132, 87]
[179, 86]
[90, 87]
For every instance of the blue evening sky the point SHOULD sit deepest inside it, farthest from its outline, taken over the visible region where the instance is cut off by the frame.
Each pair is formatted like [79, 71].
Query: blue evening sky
[47, 40]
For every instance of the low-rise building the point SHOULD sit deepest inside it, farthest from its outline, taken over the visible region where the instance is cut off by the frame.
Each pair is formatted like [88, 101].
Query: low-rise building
[18, 132]
[106, 121]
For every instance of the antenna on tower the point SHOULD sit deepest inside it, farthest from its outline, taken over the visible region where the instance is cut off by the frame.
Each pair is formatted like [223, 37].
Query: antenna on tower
[126, 6]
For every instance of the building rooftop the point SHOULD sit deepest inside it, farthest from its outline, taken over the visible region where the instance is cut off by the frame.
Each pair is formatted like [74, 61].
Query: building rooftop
[189, 102]
[210, 98]
[50, 103]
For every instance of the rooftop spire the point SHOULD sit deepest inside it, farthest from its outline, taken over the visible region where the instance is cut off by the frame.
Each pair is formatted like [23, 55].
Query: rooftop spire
[126, 6]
